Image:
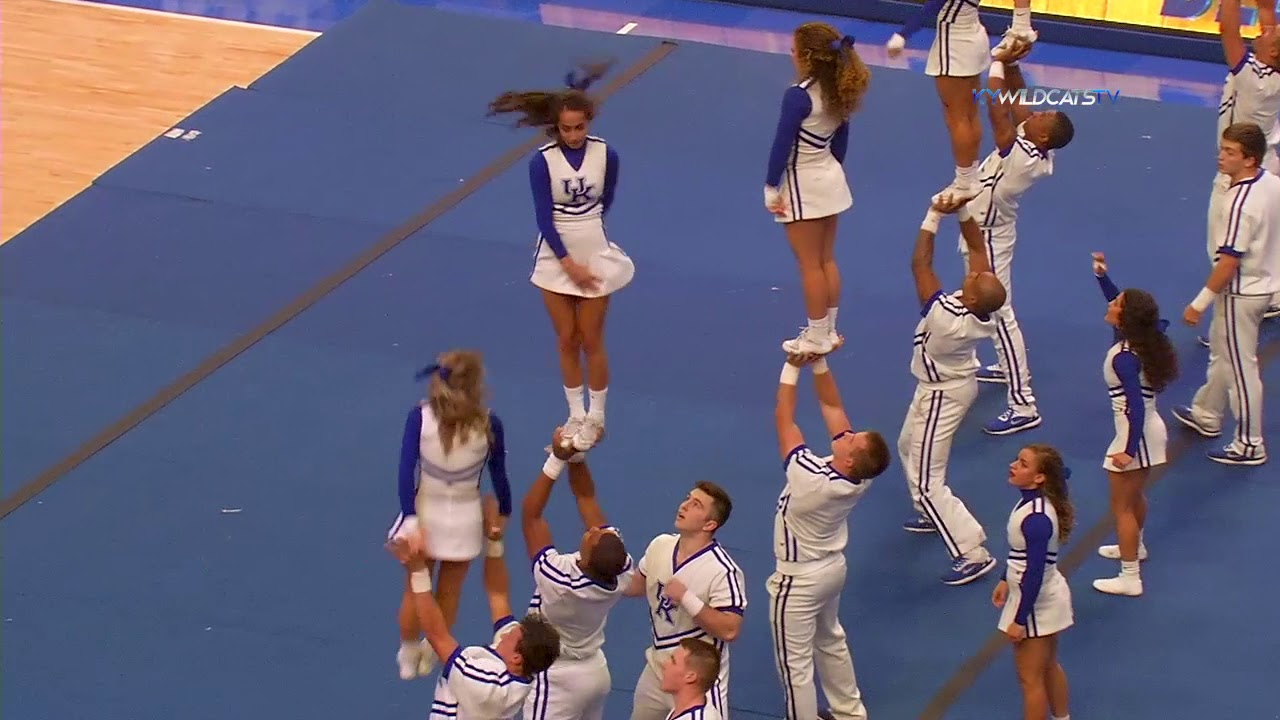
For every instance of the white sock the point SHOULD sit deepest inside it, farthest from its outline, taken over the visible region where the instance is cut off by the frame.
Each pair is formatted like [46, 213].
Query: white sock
[967, 176]
[577, 408]
[597, 403]
[821, 325]
[1064, 717]
[1129, 568]
[1022, 19]
[832, 312]
[410, 644]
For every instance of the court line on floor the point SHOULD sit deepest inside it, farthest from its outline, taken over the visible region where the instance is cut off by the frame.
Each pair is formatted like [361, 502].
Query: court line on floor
[228, 353]
[111, 5]
[1082, 547]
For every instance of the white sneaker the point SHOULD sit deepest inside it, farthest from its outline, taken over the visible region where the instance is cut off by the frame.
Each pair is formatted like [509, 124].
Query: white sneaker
[588, 434]
[426, 659]
[1127, 585]
[956, 192]
[809, 342]
[408, 658]
[1005, 46]
[1112, 552]
[571, 428]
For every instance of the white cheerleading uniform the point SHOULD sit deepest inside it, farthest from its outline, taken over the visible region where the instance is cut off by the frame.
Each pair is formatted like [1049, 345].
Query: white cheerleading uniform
[476, 685]
[713, 577]
[697, 712]
[573, 189]
[1039, 598]
[1140, 431]
[945, 364]
[1005, 176]
[806, 162]
[961, 47]
[1244, 222]
[440, 492]
[810, 532]
[575, 687]
[1251, 93]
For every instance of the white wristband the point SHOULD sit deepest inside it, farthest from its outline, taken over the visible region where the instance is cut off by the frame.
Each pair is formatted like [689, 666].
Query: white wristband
[553, 467]
[996, 70]
[495, 549]
[1204, 299]
[931, 221]
[691, 604]
[820, 366]
[790, 375]
[420, 581]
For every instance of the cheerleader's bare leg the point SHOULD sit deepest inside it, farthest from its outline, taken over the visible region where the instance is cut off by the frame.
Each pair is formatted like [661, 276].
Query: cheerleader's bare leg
[591, 322]
[964, 127]
[563, 311]
[807, 239]
[1129, 509]
[1055, 683]
[831, 272]
[448, 589]
[1032, 660]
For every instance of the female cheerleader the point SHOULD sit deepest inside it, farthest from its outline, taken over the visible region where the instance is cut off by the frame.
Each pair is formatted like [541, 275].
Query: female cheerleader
[573, 179]
[960, 53]
[805, 187]
[448, 440]
[1034, 597]
[1140, 365]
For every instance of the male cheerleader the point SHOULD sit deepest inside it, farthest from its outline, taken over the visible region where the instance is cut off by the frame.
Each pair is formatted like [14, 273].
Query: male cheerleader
[574, 592]
[1244, 252]
[687, 676]
[810, 531]
[945, 365]
[485, 682]
[695, 590]
[1025, 144]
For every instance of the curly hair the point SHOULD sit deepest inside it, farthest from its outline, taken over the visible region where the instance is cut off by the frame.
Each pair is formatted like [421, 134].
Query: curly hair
[831, 60]
[456, 396]
[1141, 327]
[1049, 463]
[542, 108]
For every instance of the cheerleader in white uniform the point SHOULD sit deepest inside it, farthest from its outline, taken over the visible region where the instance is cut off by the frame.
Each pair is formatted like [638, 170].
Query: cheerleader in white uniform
[1034, 598]
[448, 441]
[573, 179]
[805, 186]
[1139, 365]
[961, 52]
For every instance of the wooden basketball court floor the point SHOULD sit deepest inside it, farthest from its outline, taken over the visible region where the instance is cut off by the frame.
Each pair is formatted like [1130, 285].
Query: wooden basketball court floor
[83, 85]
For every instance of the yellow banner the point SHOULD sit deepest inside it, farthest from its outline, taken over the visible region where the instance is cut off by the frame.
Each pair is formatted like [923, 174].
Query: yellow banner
[1193, 15]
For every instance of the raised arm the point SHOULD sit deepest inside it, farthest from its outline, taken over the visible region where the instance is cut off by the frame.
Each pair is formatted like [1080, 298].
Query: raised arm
[975, 248]
[430, 618]
[537, 533]
[497, 585]
[784, 409]
[927, 284]
[1234, 49]
[584, 493]
[1266, 14]
[929, 11]
[1004, 108]
[497, 463]
[833, 415]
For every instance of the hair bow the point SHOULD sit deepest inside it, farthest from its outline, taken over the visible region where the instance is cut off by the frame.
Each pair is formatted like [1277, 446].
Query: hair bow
[842, 43]
[433, 369]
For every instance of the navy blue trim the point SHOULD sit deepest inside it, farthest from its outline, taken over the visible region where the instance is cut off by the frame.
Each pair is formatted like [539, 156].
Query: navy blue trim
[448, 664]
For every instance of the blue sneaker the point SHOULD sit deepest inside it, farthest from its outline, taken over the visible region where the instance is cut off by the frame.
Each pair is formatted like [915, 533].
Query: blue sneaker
[965, 571]
[1228, 456]
[1203, 340]
[1009, 423]
[919, 524]
[1182, 413]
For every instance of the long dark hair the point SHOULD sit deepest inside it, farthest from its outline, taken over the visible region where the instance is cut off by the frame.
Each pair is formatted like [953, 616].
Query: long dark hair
[1054, 488]
[1141, 327]
[541, 108]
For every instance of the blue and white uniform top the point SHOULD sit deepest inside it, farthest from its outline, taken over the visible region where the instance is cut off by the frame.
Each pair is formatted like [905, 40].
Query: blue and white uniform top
[426, 468]
[806, 133]
[476, 685]
[1132, 397]
[1005, 176]
[1251, 93]
[811, 524]
[960, 14]
[573, 189]
[697, 712]
[1032, 564]
[1244, 222]
[946, 341]
[577, 606]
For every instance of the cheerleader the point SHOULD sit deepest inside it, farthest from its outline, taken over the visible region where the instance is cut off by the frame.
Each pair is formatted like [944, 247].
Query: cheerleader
[960, 53]
[805, 187]
[1140, 364]
[573, 179]
[1034, 598]
[448, 440]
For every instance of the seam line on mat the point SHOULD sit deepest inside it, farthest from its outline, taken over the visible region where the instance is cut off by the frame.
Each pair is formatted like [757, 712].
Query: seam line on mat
[235, 348]
[968, 672]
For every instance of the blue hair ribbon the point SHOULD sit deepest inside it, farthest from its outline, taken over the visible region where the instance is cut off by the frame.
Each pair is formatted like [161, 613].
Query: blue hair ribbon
[433, 369]
[842, 43]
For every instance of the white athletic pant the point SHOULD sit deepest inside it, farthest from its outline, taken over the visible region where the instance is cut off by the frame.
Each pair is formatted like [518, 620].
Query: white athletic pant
[1232, 378]
[570, 690]
[1011, 349]
[651, 703]
[804, 616]
[924, 445]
